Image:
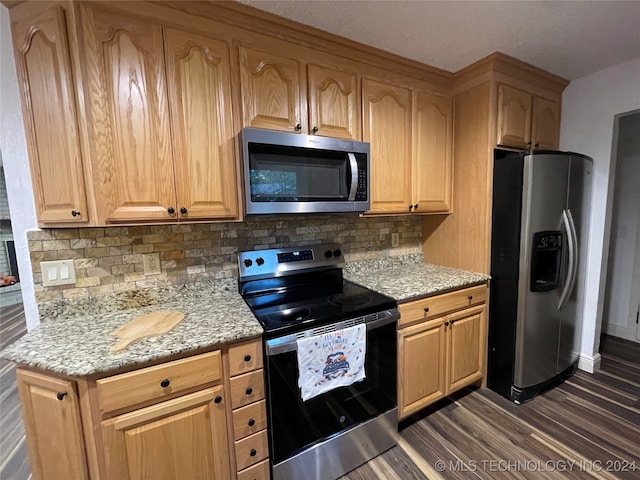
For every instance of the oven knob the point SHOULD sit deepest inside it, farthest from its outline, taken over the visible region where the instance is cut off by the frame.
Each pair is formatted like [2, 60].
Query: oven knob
[260, 261]
[337, 253]
[248, 262]
[328, 254]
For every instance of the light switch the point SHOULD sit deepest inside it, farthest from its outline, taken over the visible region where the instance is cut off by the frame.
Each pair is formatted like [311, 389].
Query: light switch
[59, 272]
[64, 272]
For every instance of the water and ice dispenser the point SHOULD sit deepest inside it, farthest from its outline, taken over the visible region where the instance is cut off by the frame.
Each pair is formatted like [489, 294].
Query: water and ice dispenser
[546, 261]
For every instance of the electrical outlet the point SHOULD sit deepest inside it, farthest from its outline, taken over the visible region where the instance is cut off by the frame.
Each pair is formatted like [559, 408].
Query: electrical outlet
[59, 272]
[395, 239]
[151, 262]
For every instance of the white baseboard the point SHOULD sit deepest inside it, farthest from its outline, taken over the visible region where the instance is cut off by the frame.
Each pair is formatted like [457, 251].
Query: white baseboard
[589, 364]
[627, 332]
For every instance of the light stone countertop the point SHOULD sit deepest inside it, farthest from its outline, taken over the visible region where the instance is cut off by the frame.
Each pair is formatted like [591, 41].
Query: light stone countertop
[74, 336]
[407, 278]
[78, 345]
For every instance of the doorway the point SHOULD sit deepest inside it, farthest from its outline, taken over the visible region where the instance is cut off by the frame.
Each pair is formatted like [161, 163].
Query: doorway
[622, 292]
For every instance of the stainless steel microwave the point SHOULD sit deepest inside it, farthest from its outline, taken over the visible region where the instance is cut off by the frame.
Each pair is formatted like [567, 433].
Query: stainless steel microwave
[294, 173]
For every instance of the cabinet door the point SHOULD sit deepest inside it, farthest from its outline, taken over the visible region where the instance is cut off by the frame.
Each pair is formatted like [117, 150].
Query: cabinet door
[199, 86]
[514, 117]
[53, 427]
[432, 159]
[466, 347]
[49, 109]
[334, 103]
[545, 128]
[129, 119]
[271, 96]
[387, 127]
[421, 368]
[180, 439]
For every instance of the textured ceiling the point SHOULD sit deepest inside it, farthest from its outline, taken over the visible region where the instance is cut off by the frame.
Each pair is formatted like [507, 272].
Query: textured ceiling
[569, 38]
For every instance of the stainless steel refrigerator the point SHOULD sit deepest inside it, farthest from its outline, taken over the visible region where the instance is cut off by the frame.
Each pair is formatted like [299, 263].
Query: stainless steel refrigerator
[538, 242]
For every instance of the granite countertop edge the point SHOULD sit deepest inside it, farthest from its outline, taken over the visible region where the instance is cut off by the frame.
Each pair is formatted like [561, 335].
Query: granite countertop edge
[79, 345]
[408, 278]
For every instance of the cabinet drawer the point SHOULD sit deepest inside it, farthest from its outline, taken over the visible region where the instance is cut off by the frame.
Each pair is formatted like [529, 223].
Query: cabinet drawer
[438, 305]
[249, 420]
[247, 388]
[259, 471]
[252, 449]
[245, 357]
[150, 383]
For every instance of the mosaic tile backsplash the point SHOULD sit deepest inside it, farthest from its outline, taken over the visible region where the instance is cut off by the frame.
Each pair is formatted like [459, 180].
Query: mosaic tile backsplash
[109, 260]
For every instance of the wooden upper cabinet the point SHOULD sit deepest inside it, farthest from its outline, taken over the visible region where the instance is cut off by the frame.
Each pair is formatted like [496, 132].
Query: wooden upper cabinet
[526, 121]
[274, 96]
[128, 117]
[387, 127]
[199, 87]
[271, 96]
[334, 103]
[182, 438]
[514, 117]
[432, 158]
[52, 421]
[545, 129]
[49, 110]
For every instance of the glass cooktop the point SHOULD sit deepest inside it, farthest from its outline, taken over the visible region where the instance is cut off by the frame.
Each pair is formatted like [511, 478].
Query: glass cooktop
[308, 300]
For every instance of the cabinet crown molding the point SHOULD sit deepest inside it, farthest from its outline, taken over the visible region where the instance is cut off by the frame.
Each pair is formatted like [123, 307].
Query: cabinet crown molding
[502, 63]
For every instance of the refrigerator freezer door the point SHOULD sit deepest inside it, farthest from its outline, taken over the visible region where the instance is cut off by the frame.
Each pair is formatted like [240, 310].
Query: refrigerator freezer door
[544, 197]
[578, 203]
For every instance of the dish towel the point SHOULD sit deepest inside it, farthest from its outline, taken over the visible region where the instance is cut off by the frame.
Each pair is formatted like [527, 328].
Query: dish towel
[335, 359]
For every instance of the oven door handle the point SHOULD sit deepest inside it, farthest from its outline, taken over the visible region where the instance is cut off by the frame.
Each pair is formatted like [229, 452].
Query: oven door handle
[289, 343]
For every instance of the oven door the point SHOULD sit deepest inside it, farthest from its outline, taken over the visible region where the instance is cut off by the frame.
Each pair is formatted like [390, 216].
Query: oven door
[295, 425]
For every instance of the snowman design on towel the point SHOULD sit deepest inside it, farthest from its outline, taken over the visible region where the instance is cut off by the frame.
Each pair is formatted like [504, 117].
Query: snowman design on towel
[335, 359]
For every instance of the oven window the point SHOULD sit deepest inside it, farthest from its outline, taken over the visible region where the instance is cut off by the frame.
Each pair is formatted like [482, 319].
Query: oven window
[296, 425]
[287, 174]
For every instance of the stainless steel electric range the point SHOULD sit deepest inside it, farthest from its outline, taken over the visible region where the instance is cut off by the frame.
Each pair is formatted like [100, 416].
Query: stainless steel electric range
[297, 293]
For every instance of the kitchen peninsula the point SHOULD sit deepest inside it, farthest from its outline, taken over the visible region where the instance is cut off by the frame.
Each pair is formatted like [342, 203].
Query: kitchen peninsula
[94, 390]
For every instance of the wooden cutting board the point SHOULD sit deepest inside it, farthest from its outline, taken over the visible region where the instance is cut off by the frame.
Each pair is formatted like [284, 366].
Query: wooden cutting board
[149, 325]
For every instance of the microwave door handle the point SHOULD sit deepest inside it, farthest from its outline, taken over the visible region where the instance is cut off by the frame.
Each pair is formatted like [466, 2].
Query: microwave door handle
[354, 176]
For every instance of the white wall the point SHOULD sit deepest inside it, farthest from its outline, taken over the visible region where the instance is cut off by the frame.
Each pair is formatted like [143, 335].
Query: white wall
[16, 167]
[589, 105]
[620, 300]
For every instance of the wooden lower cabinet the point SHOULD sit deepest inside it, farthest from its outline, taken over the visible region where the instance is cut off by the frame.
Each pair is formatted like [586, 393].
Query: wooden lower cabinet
[438, 356]
[182, 438]
[249, 416]
[53, 426]
[259, 471]
[183, 428]
[421, 366]
[466, 347]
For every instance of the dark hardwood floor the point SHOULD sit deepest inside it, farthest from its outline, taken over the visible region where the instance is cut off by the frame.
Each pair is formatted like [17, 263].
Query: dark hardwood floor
[13, 449]
[588, 427]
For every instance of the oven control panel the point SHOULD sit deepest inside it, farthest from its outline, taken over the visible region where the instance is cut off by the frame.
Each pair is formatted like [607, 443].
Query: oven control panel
[255, 264]
[295, 256]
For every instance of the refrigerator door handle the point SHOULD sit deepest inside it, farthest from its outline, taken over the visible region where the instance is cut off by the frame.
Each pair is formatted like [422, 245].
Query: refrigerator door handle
[576, 257]
[572, 243]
